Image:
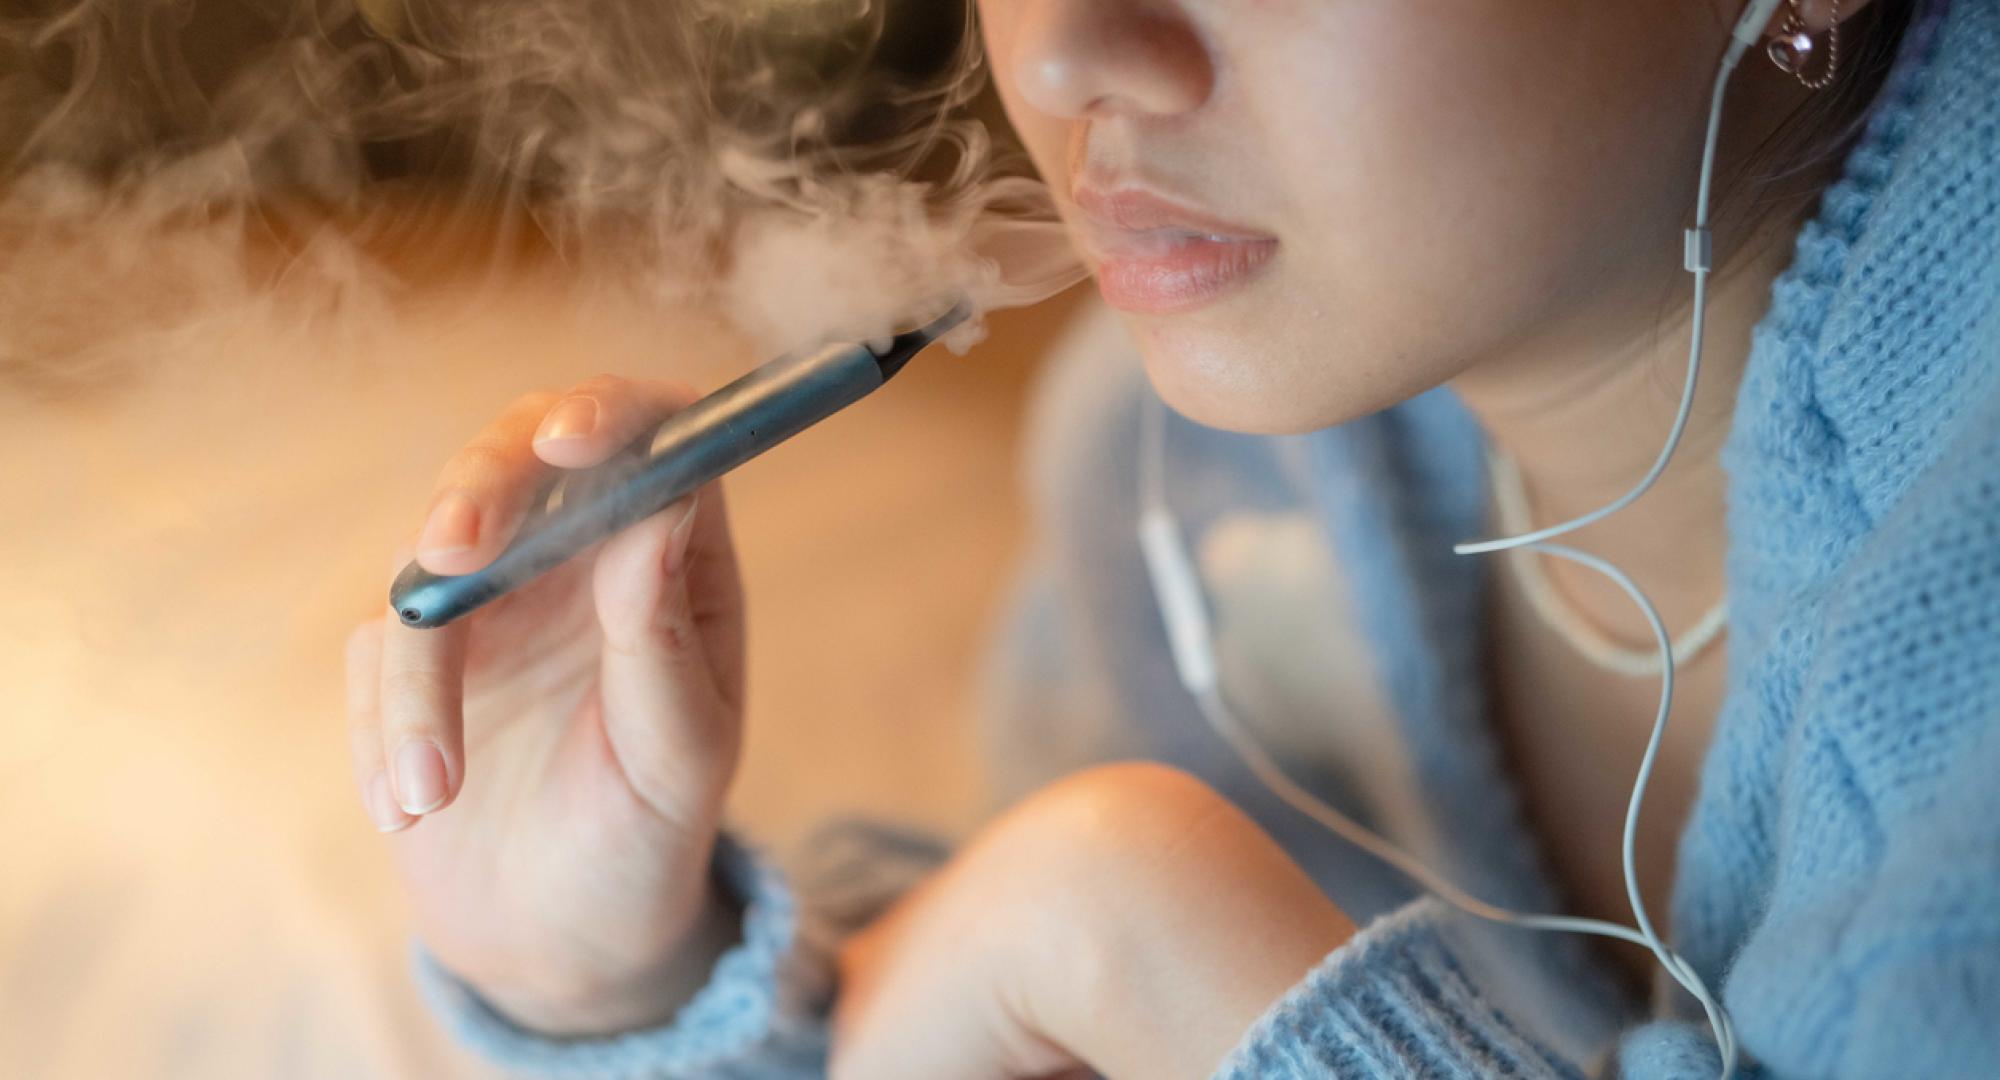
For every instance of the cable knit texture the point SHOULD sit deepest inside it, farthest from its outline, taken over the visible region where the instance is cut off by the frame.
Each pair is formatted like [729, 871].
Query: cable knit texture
[1839, 879]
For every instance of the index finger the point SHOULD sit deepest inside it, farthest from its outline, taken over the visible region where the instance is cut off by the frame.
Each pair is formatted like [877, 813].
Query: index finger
[422, 713]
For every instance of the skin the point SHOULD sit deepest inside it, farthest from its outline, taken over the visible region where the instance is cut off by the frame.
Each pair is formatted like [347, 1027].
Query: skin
[1481, 193]
[1038, 949]
[600, 710]
[1497, 207]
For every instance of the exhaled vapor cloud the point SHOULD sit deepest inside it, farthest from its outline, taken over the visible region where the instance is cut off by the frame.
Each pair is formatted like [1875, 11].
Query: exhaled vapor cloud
[807, 166]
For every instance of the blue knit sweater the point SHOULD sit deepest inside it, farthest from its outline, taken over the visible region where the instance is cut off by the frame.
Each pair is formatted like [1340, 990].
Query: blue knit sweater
[1839, 879]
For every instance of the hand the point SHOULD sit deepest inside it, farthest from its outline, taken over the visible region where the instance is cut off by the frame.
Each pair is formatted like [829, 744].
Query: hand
[564, 751]
[1126, 920]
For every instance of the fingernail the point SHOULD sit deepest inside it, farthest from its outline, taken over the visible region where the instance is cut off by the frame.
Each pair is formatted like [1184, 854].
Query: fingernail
[420, 777]
[382, 808]
[452, 526]
[573, 419]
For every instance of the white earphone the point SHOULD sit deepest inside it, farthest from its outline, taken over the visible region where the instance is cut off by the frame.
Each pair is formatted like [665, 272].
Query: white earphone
[1178, 592]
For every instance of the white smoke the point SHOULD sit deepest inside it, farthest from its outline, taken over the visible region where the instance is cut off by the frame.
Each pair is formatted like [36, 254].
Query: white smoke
[803, 167]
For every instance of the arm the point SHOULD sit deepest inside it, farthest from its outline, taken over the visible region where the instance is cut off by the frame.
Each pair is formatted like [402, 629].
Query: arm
[1131, 921]
[1126, 918]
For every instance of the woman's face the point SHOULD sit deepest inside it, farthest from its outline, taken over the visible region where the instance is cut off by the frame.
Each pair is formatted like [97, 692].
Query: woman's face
[1308, 210]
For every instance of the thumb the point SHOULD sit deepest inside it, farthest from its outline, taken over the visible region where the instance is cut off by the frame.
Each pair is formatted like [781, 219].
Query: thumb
[672, 729]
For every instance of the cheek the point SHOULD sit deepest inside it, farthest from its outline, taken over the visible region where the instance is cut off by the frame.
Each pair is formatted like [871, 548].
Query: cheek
[1437, 212]
[1045, 137]
[1471, 178]
[1047, 140]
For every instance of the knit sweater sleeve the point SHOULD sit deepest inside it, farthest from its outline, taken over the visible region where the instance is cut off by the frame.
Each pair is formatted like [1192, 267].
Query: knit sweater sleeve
[762, 1016]
[1395, 1001]
[1904, 981]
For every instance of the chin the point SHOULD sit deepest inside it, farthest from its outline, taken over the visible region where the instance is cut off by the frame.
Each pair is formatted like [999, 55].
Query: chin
[1235, 382]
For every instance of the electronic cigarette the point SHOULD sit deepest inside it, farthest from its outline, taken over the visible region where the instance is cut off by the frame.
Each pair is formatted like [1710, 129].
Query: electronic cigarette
[694, 446]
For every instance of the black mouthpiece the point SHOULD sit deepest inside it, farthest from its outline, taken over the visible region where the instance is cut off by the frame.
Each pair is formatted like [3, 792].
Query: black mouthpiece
[909, 343]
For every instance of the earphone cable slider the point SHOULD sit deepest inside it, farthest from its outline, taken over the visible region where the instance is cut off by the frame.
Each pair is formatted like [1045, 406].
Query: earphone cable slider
[1700, 251]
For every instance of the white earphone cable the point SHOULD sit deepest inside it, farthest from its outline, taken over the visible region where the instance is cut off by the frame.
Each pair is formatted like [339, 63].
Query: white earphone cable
[1193, 646]
[1177, 588]
[1699, 254]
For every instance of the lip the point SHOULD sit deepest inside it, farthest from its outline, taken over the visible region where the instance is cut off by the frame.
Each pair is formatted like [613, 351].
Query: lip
[1158, 257]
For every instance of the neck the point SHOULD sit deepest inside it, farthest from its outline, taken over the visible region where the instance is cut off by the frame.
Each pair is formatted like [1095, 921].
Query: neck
[1584, 421]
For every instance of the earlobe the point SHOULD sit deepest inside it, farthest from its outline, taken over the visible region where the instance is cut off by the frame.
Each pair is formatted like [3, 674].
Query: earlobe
[1819, 16]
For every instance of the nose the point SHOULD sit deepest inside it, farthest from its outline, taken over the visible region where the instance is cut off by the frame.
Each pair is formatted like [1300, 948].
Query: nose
[1094, 59]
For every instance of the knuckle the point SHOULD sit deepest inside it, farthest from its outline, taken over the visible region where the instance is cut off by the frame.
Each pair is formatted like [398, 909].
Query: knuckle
[364, 745]
[364, 645]
[675, 633]
[672, 631]
[532, 402]
[482, 460]
[603, 385]
[665, 631]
